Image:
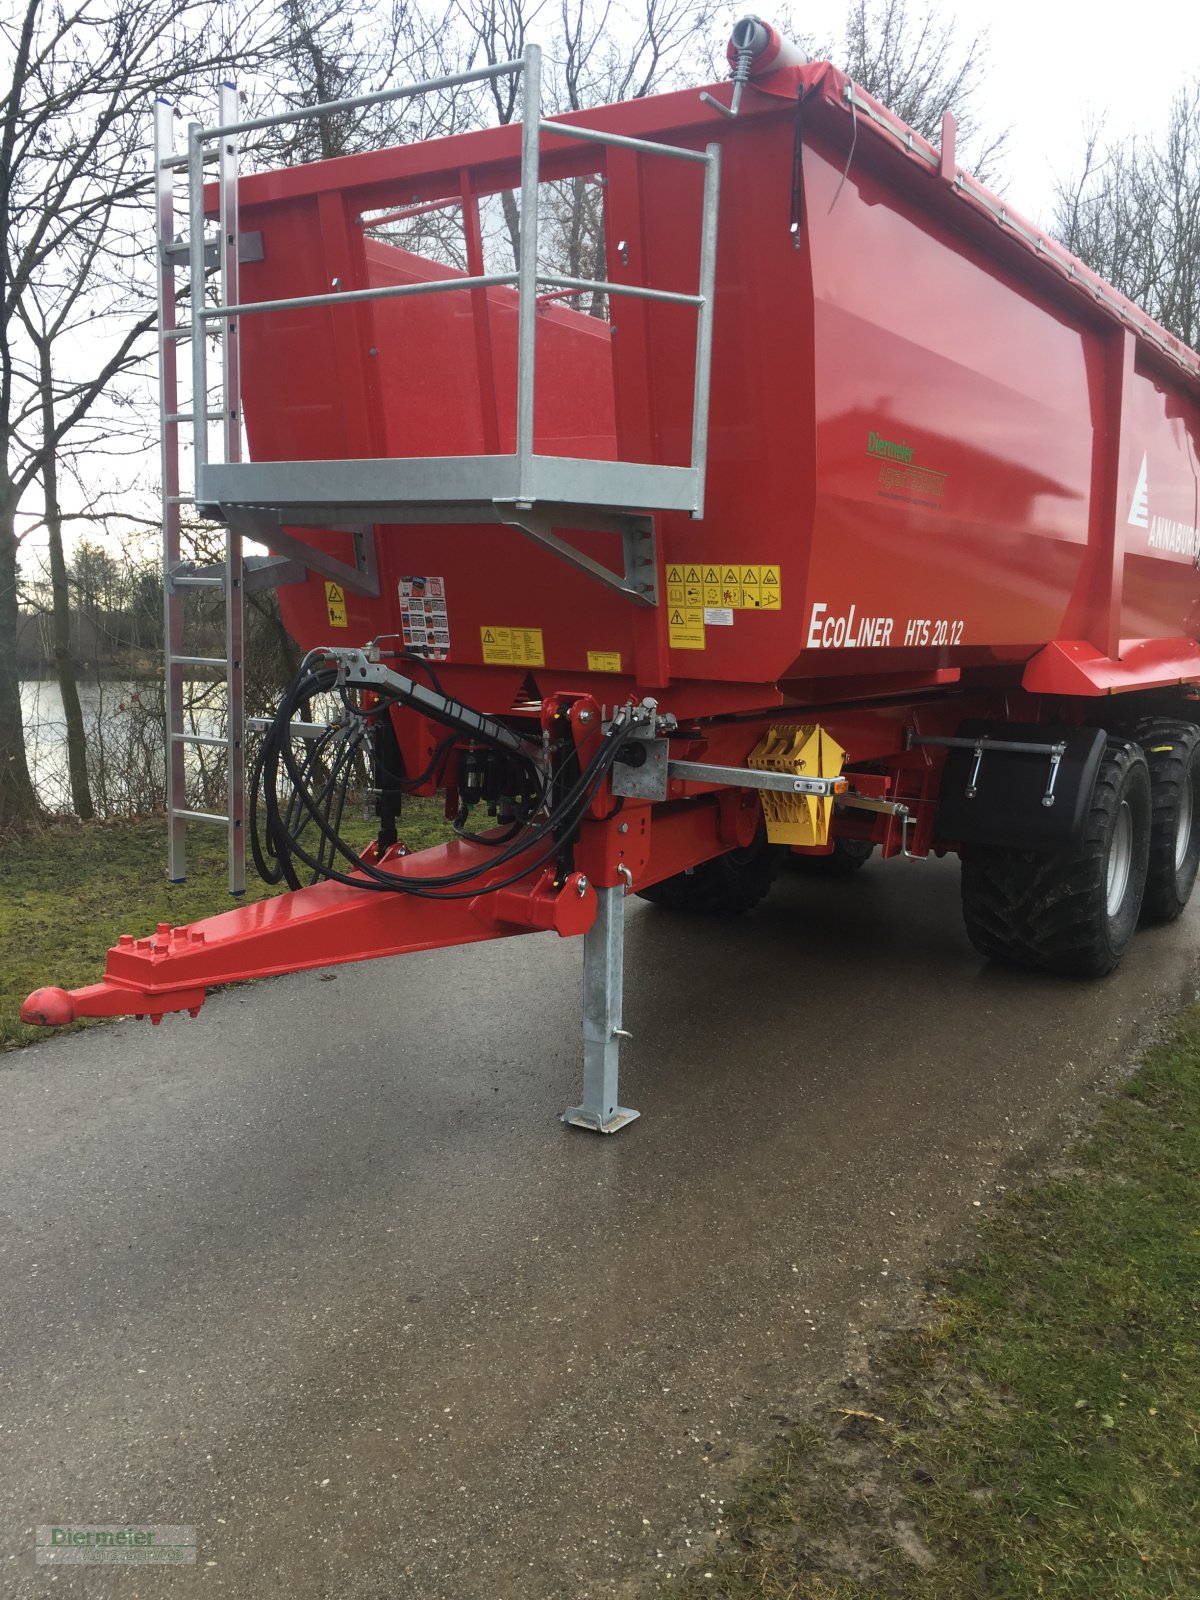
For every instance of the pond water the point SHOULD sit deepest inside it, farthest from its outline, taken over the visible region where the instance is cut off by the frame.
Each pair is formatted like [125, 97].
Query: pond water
[124, 731]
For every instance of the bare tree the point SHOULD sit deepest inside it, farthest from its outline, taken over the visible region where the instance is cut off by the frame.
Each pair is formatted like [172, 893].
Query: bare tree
[1133, 215]
[606, 51]
[332, 50]
[497, 30]
[914, 62]
[76, 309]
[611, 52]
[64, 660]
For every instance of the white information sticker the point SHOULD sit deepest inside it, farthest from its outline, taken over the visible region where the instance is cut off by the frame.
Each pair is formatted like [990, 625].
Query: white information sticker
[424, 620]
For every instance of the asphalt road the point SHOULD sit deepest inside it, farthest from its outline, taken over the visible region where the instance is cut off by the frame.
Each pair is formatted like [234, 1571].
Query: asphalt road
[322, 1275]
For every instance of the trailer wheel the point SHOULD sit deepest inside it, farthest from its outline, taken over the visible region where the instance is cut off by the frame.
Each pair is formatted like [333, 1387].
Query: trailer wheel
[726, 886]
[1173, 755]
[1071, 913]
[847, 856]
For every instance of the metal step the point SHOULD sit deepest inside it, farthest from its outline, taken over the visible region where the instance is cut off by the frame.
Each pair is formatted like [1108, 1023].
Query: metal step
[189, 580]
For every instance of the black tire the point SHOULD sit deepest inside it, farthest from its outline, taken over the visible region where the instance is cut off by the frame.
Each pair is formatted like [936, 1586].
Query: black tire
[847, 856]
[726, 886]
[1172, 752]
[1068, 913]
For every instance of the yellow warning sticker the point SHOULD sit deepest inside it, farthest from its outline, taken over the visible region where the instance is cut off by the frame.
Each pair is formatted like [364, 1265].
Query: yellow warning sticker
[335, 605]
[604, 660]
[685, 627]
[724, 585]
[512, 647]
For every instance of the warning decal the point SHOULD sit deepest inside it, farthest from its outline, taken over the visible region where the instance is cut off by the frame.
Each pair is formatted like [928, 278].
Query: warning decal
[685, 627]
[604, 660]
[512, 647]
[424, 620]
[722, 586]
[335, 605]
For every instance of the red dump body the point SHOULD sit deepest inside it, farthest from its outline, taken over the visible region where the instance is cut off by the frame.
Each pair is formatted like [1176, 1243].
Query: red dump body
[937, 444]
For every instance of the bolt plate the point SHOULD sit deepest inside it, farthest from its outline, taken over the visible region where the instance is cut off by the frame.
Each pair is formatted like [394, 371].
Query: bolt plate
[647, 782]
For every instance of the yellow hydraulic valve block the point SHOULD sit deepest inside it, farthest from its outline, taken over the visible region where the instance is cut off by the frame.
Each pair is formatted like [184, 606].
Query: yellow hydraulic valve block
[807, 752]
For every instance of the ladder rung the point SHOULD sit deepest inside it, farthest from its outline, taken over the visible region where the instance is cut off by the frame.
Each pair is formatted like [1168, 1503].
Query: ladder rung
[196, 581]
[299, 730]
[179, 499]
[197, 661]
[187, 416]
[201, 738]
[201, 816]
[180, 159]
[185, 332]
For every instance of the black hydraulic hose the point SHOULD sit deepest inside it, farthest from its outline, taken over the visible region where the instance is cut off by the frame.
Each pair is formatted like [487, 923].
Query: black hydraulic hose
[271, 871]
[265, 782]
[565, 816]
[283, 835]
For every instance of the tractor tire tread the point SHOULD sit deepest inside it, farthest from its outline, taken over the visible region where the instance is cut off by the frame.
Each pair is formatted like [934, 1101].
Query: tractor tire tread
[1048, 912]
[727, 886]
[1162, 901]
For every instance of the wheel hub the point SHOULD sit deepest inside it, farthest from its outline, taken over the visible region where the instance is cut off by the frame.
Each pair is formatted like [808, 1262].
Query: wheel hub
[1183, 823]
[1120, 858]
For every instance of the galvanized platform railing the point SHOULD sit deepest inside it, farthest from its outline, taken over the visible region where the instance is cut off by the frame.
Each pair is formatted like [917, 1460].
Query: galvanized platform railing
[521, 479]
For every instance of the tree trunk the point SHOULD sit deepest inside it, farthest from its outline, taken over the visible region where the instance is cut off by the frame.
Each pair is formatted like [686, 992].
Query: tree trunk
[18, 802]
[512, 221]
[64, 662]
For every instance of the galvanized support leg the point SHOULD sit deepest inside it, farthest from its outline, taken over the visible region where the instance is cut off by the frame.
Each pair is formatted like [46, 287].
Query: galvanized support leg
[603, 978]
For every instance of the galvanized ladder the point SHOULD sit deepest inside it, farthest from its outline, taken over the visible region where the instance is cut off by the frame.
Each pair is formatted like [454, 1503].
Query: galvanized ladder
[179, 578]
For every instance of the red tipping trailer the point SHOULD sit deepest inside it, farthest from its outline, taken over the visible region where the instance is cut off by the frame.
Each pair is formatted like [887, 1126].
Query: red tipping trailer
[835, 508]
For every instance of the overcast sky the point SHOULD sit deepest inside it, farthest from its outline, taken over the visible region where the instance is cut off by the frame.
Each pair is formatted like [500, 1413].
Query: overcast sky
[1053, 65]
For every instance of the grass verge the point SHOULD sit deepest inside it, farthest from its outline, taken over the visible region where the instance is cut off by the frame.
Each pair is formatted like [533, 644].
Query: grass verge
[1039, 1435]
[69, 889]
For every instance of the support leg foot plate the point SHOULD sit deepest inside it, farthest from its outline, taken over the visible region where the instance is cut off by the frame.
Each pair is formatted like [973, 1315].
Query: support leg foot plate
[581, 1117]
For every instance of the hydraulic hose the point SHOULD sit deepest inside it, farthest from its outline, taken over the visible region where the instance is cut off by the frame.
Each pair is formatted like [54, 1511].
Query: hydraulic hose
[280, 847]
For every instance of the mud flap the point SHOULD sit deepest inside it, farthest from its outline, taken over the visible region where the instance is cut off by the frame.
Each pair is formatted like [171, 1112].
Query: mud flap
[1028, 799]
